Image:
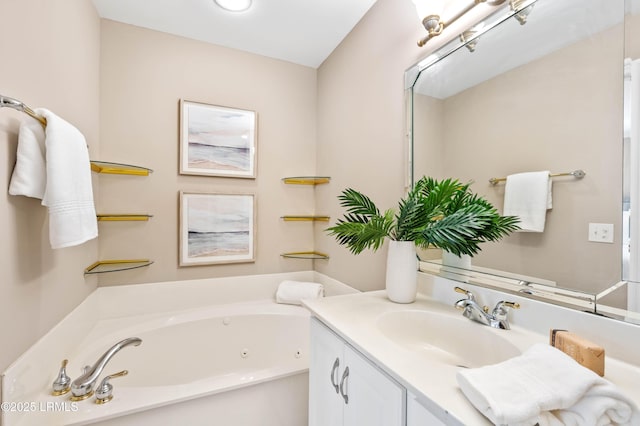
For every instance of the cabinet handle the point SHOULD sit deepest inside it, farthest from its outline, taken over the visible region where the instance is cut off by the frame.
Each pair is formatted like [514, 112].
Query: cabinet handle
[334, 372]
[342, 383]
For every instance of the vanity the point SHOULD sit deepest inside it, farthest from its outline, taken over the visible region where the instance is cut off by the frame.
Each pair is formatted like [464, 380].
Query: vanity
[376, 362]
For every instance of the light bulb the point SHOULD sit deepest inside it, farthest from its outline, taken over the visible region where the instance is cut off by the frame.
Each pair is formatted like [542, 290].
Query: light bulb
[234, 5]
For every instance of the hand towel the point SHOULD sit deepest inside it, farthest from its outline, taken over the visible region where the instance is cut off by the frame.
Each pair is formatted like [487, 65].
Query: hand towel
[29, 176]
[546, 386]
[528, 196]
[292, 292]
[68, 193]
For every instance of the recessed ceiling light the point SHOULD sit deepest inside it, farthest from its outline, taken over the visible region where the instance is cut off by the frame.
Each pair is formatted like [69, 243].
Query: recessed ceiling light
[234, 5]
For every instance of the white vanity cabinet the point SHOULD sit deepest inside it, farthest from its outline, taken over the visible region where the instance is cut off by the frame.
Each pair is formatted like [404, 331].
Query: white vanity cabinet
[346, 389]
[418, 414]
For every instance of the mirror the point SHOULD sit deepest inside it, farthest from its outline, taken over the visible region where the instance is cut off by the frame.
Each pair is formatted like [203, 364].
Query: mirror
[546, 95]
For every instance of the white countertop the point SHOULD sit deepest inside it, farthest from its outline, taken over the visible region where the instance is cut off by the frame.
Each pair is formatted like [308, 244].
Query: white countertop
[432, 380]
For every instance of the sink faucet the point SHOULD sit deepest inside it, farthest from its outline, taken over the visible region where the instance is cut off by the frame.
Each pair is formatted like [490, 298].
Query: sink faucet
[82, 387]
[496, 319]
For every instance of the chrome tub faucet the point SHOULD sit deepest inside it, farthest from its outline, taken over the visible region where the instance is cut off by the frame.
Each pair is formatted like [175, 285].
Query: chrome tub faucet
[472, 310]
[82, 387]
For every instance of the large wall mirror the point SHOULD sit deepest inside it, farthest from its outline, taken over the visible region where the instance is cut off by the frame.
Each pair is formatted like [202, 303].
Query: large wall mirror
[556, 92]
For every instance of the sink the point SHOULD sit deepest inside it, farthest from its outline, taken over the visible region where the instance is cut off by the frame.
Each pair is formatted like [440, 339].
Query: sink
[450, 339]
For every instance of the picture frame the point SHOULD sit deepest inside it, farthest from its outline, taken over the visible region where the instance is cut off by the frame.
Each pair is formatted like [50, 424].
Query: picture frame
[216, 228]
[217, 140]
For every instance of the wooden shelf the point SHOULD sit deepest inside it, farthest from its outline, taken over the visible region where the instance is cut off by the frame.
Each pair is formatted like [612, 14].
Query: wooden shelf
[306, 180]
[103, 266]
[292, 218]
[119, 169]
[305, 255]
[124, 217]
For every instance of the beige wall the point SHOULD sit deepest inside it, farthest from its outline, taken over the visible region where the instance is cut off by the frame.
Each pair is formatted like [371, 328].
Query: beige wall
[361, 141]
[122, 87]
[144, 73]
[49, 57]
[559, 113]
[361, 123]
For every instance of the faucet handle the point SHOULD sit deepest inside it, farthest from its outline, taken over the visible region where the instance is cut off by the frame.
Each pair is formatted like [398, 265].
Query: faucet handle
[500, 311]
[62, 384]
[465, 292]
[104, 392]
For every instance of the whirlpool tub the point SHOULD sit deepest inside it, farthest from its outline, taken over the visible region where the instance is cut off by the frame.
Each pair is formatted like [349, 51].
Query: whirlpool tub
[236, 363]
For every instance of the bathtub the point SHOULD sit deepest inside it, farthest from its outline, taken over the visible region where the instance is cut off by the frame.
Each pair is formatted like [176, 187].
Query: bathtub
[243, 362]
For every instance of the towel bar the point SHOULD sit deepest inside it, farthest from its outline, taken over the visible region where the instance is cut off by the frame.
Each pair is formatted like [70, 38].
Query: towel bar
[578, 174]
[8, 102]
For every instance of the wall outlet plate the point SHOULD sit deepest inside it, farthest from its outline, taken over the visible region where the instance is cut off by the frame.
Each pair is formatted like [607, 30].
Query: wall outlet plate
[601, 232]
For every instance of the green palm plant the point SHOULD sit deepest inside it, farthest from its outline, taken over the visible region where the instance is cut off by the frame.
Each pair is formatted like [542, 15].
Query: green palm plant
[443, 214]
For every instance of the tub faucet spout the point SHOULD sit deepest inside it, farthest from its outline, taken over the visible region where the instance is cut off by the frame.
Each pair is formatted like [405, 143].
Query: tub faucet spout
[82, 387]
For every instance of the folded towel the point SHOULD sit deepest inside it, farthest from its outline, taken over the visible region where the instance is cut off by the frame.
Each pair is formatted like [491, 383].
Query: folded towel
[292, 292]
[54, 166]
[528, 196]
[29, 176]
[546, 386]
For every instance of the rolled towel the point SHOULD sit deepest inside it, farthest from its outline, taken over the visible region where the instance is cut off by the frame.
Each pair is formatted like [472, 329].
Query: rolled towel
[546, 386]
[292, 292]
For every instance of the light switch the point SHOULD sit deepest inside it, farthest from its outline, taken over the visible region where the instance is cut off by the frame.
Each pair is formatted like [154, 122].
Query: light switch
[601, 232]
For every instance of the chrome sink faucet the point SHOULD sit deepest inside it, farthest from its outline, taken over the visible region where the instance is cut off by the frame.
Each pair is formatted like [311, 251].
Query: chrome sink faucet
[82, 387]
[496, 319]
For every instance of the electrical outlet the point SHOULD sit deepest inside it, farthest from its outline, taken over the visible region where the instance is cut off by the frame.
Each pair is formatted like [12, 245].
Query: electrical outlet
[601, 232]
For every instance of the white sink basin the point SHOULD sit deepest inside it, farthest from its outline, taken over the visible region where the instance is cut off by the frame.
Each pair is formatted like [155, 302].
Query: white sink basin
[450, 339]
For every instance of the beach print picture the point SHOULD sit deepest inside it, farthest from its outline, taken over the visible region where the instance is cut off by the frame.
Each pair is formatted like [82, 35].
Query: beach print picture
[216, 228]
[217, 141]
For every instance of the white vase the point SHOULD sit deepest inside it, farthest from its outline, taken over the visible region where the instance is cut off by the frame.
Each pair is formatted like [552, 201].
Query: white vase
[455, 267]
[402, 272]
[450, 259]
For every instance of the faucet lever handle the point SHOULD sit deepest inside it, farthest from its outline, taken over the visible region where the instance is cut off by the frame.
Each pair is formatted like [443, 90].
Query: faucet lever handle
[62, 384]
[500, 311]
[104, 392]
[465, 292]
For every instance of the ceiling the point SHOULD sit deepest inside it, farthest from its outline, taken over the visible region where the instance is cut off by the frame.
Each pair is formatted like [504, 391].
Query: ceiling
[304, 32]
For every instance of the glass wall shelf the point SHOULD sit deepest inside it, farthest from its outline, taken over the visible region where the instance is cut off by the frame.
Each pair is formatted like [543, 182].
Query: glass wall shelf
[305, 255]
[306, 180]
[119, 169]
[124, 217]
[103, 266]
[291, 218]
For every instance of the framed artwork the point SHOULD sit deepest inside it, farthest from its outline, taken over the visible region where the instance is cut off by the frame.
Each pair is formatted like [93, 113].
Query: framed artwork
[217, 140]
[216, 228]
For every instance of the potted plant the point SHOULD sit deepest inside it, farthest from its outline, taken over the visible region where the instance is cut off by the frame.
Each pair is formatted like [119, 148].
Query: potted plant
[443, 214]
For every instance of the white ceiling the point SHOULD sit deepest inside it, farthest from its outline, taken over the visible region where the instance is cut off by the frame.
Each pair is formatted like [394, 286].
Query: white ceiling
[304, 32]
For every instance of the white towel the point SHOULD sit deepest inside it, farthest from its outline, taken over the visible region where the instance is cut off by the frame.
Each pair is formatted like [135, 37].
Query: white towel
[292, 292]
[545, 386]
[528, 196]
[29, 176]
[62, 180]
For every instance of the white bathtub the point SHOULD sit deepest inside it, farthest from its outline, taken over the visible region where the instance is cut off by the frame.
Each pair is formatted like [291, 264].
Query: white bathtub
[239, 363]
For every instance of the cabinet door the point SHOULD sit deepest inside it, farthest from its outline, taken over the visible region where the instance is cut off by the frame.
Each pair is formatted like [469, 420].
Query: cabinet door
[326, 364]
[419, 415]
[371, 397]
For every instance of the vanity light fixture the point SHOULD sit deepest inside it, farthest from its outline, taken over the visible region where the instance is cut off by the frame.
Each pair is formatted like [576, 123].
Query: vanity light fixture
[469, 34]
[234, 5]
[430, 13]
[522, 15]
